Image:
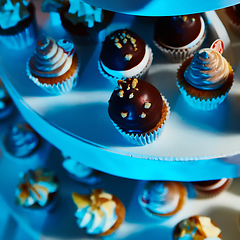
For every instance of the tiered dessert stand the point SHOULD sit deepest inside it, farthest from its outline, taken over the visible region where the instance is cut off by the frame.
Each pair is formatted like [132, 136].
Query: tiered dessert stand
[194, 145]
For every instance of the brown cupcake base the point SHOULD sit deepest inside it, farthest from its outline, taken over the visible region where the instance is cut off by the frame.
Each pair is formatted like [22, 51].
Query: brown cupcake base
[212, 193]
[120, 211]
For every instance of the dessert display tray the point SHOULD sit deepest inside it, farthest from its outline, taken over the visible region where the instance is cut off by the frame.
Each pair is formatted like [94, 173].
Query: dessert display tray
[78, 122]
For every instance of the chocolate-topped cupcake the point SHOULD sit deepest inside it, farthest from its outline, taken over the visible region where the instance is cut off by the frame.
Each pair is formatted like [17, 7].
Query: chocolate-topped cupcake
[178, 37]
[124, 54]
[138, 110]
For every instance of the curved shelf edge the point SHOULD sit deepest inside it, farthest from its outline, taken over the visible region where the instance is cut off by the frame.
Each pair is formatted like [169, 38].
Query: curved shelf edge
[125, 165]
[163, 8]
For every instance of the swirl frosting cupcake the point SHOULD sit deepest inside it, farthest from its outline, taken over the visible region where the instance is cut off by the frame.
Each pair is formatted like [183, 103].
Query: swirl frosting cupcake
[37, 189]
[81, 20]
[205, 79]
[21, 143]
[100, 213]
[54, 65]
[17, 24]
[138, 110]
[80, 172]
[162, 199]
[124, 55]
[197, 227]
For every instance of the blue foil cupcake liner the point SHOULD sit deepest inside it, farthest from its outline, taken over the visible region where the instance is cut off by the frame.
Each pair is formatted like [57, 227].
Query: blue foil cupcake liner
[201, 104]
[144, 138]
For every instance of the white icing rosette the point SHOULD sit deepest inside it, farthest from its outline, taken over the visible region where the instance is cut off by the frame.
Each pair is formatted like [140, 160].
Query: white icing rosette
[138, 71]
[208, 71]
[53, 59]
[144, 138]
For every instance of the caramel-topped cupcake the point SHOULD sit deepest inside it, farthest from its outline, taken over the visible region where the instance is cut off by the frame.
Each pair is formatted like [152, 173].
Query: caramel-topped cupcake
[205, 79]
[197, 228]
[54, 65]
[179, 37]
[124, 55]
[37, 189]
[162, 199]
[100, 213]
[138, 110]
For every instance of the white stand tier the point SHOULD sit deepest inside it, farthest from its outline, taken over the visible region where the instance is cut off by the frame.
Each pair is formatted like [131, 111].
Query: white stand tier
[161, 8]
[78, 122]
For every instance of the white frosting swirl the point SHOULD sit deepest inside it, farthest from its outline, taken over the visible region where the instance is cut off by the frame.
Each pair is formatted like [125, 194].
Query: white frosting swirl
[76, 168]
[21, 141]
[160, 197]
[12, 12]
[208, 70]
[35, 187]
[50, 59]
[97, 213]
[81, 12]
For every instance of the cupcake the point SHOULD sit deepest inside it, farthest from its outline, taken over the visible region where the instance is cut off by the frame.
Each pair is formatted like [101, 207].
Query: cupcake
[211, 188]
[17, 24]
[205, 79]
[21, 144]
[54, 65]
[80, 172]
[233, 17]
[197, 227]
[100, 213]
[6, 104]
[162, 199]
[83, 21]
[138, 110]
[124, 55]
[37, 190]
[179, 37]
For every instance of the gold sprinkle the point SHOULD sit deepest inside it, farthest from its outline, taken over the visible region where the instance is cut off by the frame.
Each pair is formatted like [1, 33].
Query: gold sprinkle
[147, 105]
[116, 40]
[131, 96]
[128, 88]
[133, 40]
[119, 45]
[135, 49]
[134, 45]
[193, 19]
[143, 115]
[124, 114]
[136, 89]
[120, 93]
[128, 35]
[184, 18]
[124, 34]
[128, 56]
[121, 37]
[124, 40]
[134, 83]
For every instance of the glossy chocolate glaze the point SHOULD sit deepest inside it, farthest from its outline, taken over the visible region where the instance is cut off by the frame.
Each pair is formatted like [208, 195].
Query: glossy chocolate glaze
[135, 106]
[122, 50]
[237, 9]
[177, 31]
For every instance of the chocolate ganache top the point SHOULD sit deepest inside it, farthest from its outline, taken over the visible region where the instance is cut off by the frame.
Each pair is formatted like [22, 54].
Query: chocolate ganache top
[122, 50]
[177, 31]
[135, 106]
[237, 9]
